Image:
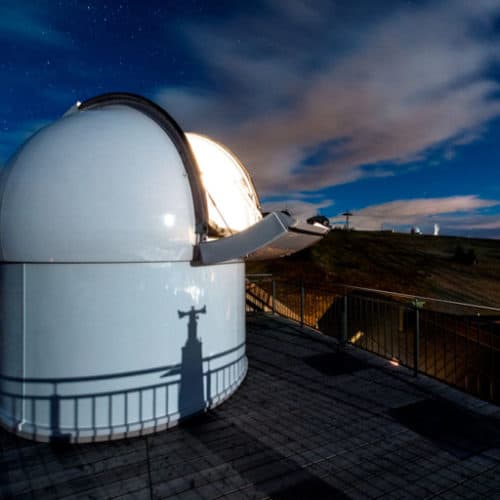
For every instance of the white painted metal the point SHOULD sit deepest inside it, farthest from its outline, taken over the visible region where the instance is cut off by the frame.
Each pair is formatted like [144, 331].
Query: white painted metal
[98, 185]
[107, 329]
[105, 352]
[277, 235]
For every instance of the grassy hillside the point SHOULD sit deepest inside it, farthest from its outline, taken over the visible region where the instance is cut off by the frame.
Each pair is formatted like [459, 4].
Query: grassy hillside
[442, 267]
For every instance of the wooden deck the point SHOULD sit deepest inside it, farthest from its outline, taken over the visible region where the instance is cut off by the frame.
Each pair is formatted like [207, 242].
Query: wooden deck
[309, 421]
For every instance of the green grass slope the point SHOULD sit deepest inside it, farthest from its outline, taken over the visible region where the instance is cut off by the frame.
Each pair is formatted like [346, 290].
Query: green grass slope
[460, 269]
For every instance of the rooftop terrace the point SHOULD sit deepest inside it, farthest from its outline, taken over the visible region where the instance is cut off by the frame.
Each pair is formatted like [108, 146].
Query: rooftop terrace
[310, 421]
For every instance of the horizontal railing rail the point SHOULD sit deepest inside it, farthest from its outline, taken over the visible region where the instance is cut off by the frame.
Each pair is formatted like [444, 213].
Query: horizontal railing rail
[455, 342]
[88, 407]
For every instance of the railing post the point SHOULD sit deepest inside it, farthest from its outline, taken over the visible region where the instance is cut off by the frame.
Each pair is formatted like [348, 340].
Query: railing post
[343, 336]
[416, 338]
[492, 368]
[302, 303]
[274, 296]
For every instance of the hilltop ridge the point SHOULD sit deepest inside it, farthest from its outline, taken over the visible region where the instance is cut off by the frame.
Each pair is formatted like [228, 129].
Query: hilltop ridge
[451, 268]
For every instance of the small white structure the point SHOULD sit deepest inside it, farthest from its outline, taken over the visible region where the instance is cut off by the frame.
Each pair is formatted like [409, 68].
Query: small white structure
[122, 278]
[436, 229]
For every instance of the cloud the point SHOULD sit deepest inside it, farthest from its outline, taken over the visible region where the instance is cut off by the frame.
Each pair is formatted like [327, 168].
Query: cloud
[297, 206]
[480, 223]
[19, 21]
[409, 82]
[452, 213]
[487, 225]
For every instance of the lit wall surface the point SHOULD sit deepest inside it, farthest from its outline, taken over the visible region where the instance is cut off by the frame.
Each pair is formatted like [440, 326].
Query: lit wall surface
[97, 351]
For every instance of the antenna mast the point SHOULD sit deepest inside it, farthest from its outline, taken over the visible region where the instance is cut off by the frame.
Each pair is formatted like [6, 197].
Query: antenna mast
[347, 215]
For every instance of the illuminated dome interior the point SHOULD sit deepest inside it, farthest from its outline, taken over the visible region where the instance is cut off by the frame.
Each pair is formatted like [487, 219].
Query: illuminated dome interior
[233, 204]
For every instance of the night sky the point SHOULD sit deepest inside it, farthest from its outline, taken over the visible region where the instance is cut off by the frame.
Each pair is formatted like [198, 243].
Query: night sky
[390, 109]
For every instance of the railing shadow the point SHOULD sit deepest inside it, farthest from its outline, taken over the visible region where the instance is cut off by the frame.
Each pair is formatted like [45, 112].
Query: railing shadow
[122, 404]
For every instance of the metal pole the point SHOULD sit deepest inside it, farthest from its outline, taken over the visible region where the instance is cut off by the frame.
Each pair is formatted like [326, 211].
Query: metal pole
[302, 304]
[274, 296]
[416, 341]
[343, 338]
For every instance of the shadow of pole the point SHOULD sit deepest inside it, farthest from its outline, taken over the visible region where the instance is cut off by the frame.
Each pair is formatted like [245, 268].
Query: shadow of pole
[57, 438]
[63, 410]
[191, 393]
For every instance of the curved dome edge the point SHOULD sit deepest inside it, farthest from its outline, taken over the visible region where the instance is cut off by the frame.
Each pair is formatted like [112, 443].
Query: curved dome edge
[21, 177]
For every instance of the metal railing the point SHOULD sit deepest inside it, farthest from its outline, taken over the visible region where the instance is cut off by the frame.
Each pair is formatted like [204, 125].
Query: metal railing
[457, 343]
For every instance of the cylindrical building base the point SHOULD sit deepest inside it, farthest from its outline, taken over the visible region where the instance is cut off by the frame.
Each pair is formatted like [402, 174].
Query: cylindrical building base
[103, 351]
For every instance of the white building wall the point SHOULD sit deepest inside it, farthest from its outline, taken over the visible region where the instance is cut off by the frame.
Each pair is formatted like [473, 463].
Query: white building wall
[100, 346]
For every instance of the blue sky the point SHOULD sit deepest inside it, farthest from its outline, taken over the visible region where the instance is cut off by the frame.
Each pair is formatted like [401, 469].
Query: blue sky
[389, 109]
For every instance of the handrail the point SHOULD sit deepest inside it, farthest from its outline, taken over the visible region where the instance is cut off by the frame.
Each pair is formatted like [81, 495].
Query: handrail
[457, 345]
[422, 297]
[387, 292]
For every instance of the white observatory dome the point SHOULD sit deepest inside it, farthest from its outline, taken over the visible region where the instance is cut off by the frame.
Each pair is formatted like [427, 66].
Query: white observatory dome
[99, 185]
[122, 288]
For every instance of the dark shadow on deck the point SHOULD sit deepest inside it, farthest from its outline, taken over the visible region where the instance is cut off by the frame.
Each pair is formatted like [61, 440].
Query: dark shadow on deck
[450, 426]
[289, 432]
[335, 363]
[269, 472]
